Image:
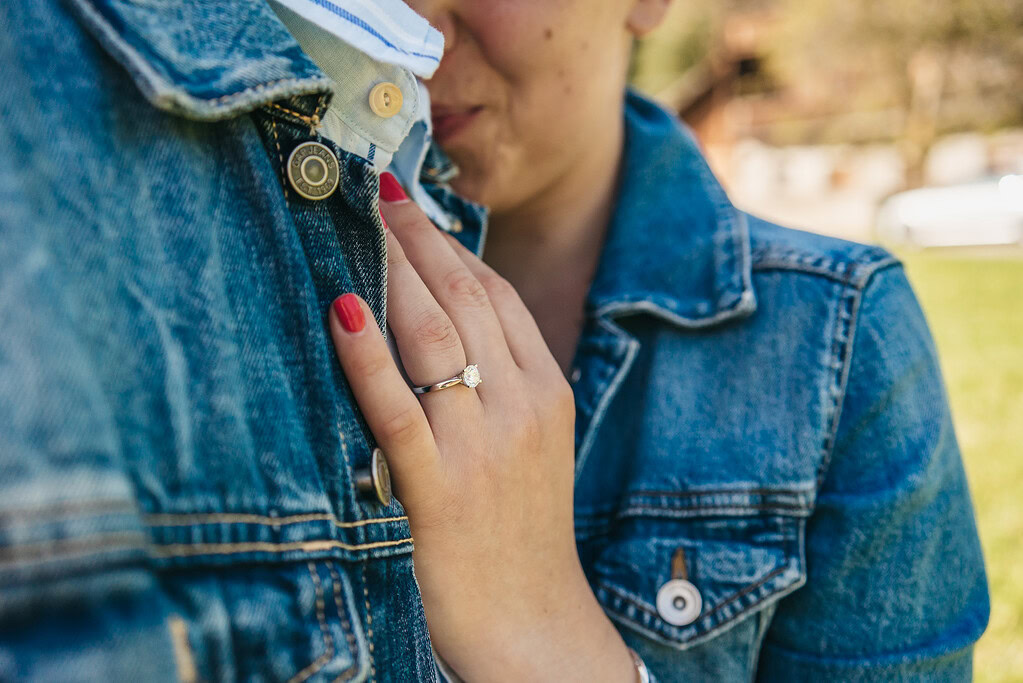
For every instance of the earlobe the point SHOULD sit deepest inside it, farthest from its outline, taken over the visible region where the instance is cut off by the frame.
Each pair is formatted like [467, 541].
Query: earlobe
[646, 15]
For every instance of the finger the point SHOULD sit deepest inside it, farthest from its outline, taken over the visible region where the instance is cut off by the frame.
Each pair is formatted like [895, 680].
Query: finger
[427, 340]
[391, 410]
[454, 287]
[521, 333]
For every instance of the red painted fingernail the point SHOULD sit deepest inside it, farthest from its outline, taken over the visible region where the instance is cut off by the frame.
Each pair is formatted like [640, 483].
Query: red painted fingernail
[349, 312]
[390, 189]
[383, 220]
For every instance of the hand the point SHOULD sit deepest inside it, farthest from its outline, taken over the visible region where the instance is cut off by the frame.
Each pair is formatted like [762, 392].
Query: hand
[485, 474]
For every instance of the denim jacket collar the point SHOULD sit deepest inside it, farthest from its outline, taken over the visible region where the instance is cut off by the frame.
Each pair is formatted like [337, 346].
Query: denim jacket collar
[204, 60]
[676, 247]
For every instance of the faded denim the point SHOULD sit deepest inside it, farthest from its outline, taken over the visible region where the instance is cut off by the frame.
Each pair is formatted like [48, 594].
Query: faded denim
[769, 401]
[177, 442]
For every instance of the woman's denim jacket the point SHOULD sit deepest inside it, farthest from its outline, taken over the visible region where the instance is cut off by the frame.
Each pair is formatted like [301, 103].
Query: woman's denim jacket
[765, 407]
[178, 447]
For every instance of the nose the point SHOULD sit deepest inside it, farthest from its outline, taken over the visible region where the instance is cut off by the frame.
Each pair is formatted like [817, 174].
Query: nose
[445, 23]
[441, 15]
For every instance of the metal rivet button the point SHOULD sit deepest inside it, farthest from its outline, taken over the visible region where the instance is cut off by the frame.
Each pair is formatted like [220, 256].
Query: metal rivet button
[376, 481]
[385, 100]
[678, 601]
[313, 170]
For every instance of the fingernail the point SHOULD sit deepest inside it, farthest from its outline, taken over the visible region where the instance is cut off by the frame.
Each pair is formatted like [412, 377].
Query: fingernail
[349, 312]
[384, 221]
[390, 189]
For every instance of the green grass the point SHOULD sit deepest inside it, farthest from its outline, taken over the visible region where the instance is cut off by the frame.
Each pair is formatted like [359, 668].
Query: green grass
[974, 303]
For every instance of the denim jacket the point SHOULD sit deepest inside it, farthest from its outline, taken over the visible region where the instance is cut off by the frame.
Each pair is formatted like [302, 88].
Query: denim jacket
[178, 446]
[761, 414]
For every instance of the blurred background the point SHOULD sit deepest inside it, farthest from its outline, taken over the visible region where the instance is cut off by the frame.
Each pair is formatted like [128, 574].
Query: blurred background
[898, 122]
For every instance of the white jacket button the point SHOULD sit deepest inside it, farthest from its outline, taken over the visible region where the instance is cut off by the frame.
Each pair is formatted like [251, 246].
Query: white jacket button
[679, 602]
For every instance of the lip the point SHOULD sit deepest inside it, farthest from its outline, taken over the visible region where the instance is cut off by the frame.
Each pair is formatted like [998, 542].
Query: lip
[450, 121]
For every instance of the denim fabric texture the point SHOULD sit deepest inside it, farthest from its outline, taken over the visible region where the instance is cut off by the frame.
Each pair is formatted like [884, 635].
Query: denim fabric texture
[178, 445]
[177, 441]
[768, 401]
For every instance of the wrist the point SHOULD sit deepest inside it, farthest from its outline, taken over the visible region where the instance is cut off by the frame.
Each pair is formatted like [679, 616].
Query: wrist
[568, 639]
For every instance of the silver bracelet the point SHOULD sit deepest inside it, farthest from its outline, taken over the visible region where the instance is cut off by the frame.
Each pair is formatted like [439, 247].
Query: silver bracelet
[642, 673]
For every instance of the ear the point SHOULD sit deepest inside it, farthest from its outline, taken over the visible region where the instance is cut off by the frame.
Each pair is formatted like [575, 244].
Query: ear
[646, 15]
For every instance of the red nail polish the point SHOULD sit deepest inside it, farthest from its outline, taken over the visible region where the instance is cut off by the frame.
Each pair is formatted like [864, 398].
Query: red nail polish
[384, 221]
[349, 312]
[390, 189]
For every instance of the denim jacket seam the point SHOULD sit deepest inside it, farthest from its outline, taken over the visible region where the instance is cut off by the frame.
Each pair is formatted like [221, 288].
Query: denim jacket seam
[853, 294]
[707, 630]
[321, 618]
[610, 509]
[312, 120]
[655, 511]
[311, 545]
[280, 156]
[706, 615]
[854, 272]
[63, 510]
[369, 625]
[52, 550]
[353, 648]
[761, 491]
[608, 392]
[762, 500]
[187, 519]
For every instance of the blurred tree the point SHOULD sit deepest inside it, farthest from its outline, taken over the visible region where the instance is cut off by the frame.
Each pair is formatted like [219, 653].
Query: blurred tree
[947, 65]
[923, 67]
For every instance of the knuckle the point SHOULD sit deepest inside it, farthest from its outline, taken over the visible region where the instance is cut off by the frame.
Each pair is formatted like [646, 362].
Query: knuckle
[497, 286]
[396, 258]
[565, 399]
[434, 330]
[402, 429]
[442, 511]
[463, 287]
[372, 365]
[560, 397]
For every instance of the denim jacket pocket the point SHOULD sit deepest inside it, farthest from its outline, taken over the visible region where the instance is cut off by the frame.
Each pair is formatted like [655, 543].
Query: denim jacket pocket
[292, 621]
[740, 550]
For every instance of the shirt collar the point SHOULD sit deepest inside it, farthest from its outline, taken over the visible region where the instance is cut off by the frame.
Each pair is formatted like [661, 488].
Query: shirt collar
[349, 121]
[387, 30]
[676, 247]
[399, 143]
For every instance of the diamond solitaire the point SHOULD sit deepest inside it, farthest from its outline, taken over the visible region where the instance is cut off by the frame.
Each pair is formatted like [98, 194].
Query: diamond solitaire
[471, 376]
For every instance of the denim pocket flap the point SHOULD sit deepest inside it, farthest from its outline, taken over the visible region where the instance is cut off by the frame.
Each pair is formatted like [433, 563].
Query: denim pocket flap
[681, 582]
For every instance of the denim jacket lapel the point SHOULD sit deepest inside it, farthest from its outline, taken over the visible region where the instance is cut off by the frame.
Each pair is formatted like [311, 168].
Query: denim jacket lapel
[676, 247]
[205, 60]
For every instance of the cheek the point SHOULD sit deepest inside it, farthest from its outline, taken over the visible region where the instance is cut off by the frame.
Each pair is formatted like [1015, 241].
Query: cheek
[542, 71]
[519, 38]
